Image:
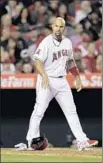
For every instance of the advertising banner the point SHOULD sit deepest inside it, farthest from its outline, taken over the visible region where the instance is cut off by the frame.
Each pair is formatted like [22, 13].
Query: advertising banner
[28, 81]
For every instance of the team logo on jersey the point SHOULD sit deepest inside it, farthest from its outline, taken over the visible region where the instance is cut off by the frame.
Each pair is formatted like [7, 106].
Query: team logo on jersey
[38, 51]
[59, 54]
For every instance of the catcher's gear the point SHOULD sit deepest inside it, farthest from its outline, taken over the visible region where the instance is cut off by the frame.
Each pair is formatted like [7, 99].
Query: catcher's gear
[39, 143]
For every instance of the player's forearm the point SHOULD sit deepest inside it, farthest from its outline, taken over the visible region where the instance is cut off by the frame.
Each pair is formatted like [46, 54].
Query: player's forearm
[72, 68]
[74, 71]
[40, 68]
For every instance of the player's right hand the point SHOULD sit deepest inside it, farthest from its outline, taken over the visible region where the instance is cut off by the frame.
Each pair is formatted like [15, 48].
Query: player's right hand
[78, 83]
[45, 81]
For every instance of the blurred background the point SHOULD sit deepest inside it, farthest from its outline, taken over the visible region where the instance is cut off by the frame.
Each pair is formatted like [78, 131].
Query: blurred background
[23, 25]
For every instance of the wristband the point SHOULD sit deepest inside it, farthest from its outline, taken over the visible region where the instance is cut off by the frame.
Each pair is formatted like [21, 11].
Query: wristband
[74, 71]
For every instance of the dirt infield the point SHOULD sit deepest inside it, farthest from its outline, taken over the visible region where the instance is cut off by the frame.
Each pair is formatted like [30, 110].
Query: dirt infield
[54, 151]
[62, 154]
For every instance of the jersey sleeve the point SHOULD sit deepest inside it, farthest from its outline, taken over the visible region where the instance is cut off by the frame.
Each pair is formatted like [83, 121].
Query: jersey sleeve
[41, 52]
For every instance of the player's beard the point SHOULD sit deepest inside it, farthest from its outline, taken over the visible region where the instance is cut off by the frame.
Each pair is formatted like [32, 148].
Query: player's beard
[58, 36]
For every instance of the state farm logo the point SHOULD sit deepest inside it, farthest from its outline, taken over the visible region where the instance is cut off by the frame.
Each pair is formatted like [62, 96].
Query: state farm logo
[93, 81]
[16, 82]
[28, 81]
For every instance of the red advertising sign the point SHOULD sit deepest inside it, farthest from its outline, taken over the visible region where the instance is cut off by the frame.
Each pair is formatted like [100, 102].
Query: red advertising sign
[28, 81]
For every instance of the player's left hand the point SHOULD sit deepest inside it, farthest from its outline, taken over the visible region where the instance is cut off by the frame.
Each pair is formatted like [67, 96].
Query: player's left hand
[78, 83]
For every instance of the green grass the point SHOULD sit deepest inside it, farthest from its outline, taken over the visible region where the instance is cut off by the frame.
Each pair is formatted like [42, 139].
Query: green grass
[51, 155]
[15, 158]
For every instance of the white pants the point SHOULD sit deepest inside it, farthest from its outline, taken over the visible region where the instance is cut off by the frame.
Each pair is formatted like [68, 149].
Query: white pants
[60, 90]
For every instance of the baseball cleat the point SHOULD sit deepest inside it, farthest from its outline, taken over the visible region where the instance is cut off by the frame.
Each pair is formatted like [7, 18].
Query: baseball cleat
[86, 145]
[92, 143]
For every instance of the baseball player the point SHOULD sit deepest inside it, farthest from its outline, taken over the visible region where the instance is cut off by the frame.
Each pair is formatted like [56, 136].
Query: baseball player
[52, 59]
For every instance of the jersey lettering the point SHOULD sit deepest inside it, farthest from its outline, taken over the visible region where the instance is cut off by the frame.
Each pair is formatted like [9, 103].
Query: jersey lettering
[54, 57]
[59, 54]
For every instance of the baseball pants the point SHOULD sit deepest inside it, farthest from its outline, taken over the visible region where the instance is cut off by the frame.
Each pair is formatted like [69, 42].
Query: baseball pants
[61, 91]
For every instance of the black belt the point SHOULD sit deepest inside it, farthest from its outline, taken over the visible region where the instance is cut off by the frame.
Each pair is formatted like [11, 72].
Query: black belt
[57, 76]
[60, 76]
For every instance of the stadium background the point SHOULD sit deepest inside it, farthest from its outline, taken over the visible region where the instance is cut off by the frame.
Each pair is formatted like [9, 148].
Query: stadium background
[23, 25]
